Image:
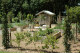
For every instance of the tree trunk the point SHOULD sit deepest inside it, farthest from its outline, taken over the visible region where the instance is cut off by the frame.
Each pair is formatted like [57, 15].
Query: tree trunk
[50, 21]
[59, 17]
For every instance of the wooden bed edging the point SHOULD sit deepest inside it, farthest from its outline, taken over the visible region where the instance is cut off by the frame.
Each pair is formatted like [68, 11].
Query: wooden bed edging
[57, 35]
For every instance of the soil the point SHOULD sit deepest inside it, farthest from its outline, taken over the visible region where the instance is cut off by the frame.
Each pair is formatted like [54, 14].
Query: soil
[75, 47]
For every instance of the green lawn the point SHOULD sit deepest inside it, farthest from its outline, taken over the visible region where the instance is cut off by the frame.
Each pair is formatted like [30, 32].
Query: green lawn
[8, 52]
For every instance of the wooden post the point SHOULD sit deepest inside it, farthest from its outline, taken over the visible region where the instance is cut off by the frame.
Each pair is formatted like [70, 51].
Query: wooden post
[76, 30]
[50, 21]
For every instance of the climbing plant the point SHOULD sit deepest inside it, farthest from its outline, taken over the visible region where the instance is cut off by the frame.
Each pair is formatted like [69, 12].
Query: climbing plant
[5, 37]
[67, 36]
[73, 16]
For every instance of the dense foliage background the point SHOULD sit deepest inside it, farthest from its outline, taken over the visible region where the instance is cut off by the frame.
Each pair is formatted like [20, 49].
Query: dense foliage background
[24, 7]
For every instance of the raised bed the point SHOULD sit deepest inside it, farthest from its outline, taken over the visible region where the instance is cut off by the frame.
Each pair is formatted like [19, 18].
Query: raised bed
[13, 29]
[25, 26]
[57, 35]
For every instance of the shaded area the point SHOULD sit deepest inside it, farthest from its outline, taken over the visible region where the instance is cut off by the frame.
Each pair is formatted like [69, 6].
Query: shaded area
[36, 50]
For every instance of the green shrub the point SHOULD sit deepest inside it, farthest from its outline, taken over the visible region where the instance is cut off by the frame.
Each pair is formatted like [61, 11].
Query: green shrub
[27, 34]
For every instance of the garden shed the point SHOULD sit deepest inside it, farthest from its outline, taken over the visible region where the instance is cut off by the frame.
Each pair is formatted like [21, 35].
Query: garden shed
[45, 17]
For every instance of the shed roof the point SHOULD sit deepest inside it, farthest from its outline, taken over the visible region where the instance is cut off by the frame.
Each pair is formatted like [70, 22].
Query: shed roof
[46, 12]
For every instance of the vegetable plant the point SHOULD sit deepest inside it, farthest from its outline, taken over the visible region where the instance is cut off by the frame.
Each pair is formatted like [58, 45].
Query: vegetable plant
[41, 32]
[49, 31]
[19, 38]
[50, 41]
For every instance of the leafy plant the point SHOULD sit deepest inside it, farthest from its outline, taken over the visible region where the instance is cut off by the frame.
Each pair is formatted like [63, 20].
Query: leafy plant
[10, 25]
[49, 31]
[19, 38]
[30, 18]
[50, 41]
[41, 32]
[22, 23]
[33, 39]
[27, 34]
[10, 15]
[15, 19]
[25, 5]
[36, 37]
[19, 15]
[28, 37]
